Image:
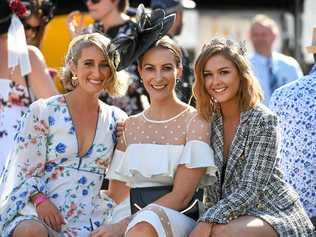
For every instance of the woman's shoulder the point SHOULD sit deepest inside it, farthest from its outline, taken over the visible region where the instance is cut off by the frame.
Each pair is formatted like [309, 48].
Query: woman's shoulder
[116, 113]
[194, 117]
[134, 119]
[50, 102]
[35, 53]
[261, 115]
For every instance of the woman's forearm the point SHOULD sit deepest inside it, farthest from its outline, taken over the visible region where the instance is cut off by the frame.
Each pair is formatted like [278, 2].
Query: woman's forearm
[174, 201]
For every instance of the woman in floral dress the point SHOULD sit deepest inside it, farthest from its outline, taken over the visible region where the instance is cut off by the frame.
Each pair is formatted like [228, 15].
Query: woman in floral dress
[27, 60]
[56, 169]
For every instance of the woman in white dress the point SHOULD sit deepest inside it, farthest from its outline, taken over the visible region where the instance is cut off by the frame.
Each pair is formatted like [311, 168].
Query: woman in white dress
[167, 144]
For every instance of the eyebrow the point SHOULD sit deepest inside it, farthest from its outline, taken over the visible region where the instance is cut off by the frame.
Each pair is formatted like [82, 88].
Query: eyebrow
[166, 64]
[221, 68]
[92, 60]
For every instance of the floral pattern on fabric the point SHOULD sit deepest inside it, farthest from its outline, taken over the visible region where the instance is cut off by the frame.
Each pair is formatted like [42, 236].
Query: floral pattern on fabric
[14, 101]
[295, 106]
[46, 159]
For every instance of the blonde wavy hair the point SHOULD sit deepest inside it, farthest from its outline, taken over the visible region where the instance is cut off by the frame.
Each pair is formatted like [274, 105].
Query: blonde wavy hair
[249, 93]
[114, 86]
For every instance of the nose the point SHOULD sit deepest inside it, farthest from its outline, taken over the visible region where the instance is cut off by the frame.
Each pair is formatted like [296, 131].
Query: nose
[96, 72]
[214, 82]
[158, 76]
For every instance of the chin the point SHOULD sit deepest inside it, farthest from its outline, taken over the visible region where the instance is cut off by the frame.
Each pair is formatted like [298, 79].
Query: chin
[159, 97]
[221, 99]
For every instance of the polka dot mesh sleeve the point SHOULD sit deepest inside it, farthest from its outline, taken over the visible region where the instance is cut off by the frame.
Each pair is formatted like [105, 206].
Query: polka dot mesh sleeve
[177, 130]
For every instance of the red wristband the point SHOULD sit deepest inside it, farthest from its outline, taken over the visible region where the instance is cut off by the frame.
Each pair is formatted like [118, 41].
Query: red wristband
[40, 199]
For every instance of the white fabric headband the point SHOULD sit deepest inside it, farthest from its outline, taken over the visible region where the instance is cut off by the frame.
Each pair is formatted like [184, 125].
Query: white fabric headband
[17, 47]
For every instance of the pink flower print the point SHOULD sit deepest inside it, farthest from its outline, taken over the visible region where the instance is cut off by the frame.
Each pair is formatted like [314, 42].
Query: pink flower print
[71, 210]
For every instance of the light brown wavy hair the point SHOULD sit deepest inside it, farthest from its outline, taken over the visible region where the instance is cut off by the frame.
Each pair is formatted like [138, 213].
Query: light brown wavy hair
[113, 86]
[249, 93]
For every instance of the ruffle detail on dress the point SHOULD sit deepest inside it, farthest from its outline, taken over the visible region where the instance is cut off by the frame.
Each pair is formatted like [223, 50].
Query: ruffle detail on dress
[198, 154]
[147, 160]
[150, 160]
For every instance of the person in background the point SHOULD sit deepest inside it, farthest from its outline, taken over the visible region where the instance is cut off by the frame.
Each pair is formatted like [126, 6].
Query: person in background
[23, 74]
[295, 106]
[111, 19]
[54, 174]
[184, 84]
[40, 12]
[250, 198]
[272, 69]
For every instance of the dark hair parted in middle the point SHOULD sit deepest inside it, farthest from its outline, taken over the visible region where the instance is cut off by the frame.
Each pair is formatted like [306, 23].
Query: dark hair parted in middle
[167, 43]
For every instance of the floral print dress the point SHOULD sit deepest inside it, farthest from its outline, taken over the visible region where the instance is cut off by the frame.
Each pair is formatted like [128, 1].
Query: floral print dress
[45, 159]
[14, 101]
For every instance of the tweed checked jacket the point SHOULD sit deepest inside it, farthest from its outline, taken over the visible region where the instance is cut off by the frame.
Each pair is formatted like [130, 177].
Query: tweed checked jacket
[252, 182]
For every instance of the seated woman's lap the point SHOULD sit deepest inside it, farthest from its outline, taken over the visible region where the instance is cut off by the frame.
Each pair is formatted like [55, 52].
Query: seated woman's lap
[167, 222]
[249, 226]
[33, 227]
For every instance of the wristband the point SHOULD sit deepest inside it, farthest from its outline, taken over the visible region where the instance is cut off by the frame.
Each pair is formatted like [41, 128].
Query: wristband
[40, 199]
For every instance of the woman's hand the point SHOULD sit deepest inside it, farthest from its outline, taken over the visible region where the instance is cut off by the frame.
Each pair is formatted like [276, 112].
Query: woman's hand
[75, 27]
[111, 230]
[202, 229]
[50, 214]
[120, 129]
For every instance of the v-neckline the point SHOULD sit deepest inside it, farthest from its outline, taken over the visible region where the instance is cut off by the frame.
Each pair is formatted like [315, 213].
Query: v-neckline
[75, 129]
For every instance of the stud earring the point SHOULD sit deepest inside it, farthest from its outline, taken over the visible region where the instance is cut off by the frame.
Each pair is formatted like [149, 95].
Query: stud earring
[178, 81]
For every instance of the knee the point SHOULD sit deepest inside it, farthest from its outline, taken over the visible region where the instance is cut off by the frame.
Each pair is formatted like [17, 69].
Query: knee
[142, 229]
[30, 229]
[220, 231]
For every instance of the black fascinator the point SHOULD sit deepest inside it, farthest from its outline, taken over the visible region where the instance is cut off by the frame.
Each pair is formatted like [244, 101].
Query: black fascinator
[150, 27]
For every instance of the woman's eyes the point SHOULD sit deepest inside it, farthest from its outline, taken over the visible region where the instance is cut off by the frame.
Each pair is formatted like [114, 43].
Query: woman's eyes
[149, 68]
[207, 74]
[224, 72]
[104, 65]
[91, 64]
[166, 68]
[88, 64]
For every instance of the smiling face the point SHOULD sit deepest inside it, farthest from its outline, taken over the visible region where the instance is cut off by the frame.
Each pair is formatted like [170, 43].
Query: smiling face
[221, 79]
[159, 72]
[92, 70]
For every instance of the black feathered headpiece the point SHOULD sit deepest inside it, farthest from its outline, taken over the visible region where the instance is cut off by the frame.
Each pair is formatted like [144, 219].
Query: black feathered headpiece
[150, 27]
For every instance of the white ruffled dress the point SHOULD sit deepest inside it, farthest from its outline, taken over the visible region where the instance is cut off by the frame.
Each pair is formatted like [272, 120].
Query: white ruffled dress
[154, 151]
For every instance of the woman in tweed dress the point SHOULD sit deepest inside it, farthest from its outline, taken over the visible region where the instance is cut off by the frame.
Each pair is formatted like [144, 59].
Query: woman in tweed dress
[251, 199]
